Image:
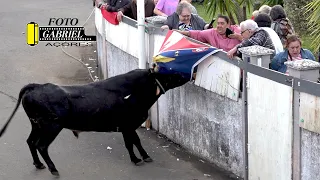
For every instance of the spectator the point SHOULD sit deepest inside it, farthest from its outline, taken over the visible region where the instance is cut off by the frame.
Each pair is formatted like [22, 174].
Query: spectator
[264, 22]
[217, 36]
[166, 7]
[183, 19]
[292, 52]
[130, 9]
[115, 5]
[254, 14]
[252, 35]
[194, 10]
[281, 24]
[265, 9]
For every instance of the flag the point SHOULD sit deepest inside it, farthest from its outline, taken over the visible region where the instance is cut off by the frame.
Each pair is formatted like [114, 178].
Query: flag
[179, 55]
[111, 17]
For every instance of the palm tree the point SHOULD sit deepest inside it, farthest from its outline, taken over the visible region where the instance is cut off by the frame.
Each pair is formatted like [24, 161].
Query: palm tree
[313, 11]
[235, 9]
[295, 10]
[273, 2]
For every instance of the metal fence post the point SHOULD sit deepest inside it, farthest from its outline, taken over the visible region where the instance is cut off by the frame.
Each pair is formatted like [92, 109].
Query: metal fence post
[304, 70]
[258, 55]
[245, 119]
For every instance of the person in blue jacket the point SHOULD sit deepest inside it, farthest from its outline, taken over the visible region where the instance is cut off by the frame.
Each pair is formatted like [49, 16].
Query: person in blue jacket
[293, 51]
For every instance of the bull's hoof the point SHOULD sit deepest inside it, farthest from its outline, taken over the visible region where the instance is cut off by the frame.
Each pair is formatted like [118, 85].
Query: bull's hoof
[148, 159]
[138, 162]
[55, 173]
[39, 165]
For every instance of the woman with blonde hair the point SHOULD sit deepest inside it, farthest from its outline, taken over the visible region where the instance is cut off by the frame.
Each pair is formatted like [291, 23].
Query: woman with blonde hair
[265, 9]
[254, 14]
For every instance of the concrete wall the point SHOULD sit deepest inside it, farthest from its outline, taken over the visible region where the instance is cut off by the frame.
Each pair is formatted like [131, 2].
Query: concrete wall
[205, 123]
[201, 121]
[119, 62]
[310, 155]
[210, 124]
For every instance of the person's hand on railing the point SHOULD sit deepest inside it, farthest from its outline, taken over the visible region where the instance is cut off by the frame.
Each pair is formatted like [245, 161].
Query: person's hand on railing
[232, 52]
[104, 6]
[186, 33]
[99, 3]
[164, 27]
[119, 16]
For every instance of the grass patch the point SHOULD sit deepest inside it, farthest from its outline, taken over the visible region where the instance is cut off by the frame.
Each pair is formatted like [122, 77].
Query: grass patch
[202, 12]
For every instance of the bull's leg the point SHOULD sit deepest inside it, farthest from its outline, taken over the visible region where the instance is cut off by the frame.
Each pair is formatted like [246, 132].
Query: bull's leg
[48, 134]
[137, 143]
[128, 141]
[32, 139]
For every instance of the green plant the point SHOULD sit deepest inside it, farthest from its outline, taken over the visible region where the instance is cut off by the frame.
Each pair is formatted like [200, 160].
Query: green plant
[313, 11]
[272, 2]
[232, 8]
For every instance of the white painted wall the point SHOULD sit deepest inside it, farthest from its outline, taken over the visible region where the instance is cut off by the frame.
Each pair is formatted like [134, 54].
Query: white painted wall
[99, 20]
[124, 37]
[269, 129]
[219, 76]
[158, 40]
[310, 112]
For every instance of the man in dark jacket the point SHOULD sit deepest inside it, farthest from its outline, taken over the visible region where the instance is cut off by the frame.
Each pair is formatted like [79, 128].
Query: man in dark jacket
[115, 5]
[130, 10]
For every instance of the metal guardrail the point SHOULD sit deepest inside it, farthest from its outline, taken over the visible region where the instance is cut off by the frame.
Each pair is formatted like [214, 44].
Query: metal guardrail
[298, 84]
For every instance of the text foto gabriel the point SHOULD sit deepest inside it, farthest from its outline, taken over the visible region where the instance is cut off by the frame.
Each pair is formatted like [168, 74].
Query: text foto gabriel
[64, 32]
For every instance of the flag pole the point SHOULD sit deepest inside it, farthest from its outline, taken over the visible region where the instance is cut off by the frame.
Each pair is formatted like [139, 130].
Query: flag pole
[141, 34]
[141, 44]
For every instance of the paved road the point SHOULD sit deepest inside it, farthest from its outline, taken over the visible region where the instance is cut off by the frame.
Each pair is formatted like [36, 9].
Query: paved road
[76, 159]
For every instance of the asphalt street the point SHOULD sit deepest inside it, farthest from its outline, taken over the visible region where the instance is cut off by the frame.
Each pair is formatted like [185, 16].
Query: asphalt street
[96, 156]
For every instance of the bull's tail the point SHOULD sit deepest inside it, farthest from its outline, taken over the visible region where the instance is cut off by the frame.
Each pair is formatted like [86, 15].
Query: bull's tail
[22, 92]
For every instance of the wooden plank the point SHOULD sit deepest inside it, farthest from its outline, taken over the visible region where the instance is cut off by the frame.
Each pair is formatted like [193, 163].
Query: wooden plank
[219, 76]
[310, 112]
[269, 129]
[201, 68]
[158, 40]
[204, 81]
[226, 79]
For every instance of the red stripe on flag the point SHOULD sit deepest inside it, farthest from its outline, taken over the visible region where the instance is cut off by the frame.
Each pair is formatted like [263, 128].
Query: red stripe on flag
[111, 17]
[183, 43]
[166, 38]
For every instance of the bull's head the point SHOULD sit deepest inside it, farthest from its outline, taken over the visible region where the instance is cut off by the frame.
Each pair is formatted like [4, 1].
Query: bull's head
[168, 81]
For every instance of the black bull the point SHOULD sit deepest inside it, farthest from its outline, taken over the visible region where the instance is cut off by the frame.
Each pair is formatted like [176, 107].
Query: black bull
[117, 104]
